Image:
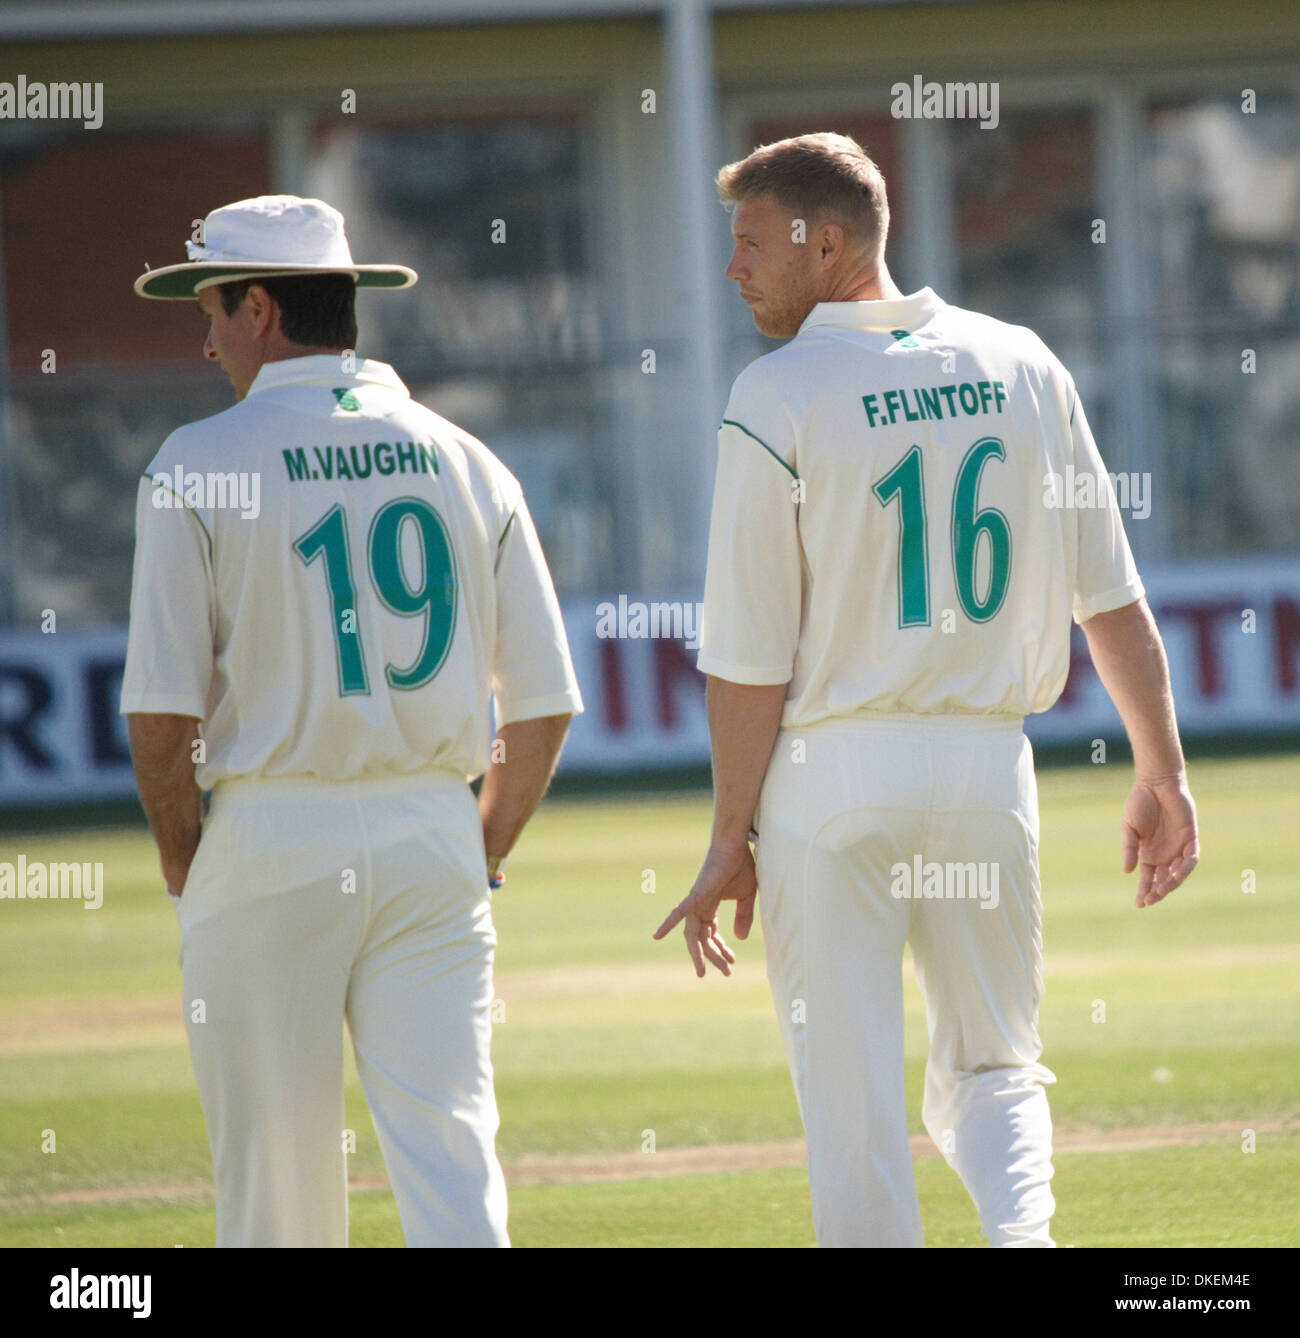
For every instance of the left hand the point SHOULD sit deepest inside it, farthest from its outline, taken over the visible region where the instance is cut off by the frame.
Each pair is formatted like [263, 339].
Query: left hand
[1159, 836]
[727, 874]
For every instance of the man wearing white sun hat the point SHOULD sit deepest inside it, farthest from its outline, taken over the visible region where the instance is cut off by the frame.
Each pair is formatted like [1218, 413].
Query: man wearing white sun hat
[332, 585]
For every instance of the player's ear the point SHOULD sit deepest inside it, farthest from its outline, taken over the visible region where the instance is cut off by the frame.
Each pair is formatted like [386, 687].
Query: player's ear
[830, 240]
[261, 309]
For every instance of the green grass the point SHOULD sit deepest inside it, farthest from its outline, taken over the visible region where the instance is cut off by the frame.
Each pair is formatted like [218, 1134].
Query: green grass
[1174, 1197]
[607, 1034]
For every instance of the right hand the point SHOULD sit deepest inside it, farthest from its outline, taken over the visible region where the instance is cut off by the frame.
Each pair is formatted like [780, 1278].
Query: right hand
[727, 874]
[1159, 836]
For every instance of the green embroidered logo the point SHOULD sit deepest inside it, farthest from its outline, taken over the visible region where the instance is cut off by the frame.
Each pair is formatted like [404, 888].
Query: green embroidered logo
[346, 399]
[905, 339]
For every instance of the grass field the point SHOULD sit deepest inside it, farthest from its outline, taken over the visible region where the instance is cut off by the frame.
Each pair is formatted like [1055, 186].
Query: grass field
[608, 1039]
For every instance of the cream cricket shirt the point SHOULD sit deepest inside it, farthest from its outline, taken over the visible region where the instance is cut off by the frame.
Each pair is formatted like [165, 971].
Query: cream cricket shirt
[336, 581]
[886, 533]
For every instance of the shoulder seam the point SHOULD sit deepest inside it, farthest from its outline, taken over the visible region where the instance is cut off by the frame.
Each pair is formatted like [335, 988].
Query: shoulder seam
[731, 422]
[506, 531]
[207, 534]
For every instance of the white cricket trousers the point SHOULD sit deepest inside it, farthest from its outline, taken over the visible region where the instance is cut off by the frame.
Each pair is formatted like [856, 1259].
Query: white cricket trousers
[872, 833]
[309, 902]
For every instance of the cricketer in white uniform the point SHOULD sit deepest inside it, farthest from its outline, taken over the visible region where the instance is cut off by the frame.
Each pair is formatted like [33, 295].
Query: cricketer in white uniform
[337, 583]
[890, 585]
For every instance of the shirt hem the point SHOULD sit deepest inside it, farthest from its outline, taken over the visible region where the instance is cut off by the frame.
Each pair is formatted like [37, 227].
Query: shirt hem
[956, 720]
[743, 674]
[1112, 599]
[146, 704]
[534, 708]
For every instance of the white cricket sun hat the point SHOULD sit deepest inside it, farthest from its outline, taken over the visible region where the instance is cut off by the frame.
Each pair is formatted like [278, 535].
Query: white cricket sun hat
[265, 237]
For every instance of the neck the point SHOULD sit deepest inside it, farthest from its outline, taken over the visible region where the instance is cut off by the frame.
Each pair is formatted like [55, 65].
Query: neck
[868, 284]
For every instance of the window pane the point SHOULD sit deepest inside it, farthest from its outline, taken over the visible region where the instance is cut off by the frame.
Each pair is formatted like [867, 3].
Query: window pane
[82, 440]
[1222, 198]
[1024, 198]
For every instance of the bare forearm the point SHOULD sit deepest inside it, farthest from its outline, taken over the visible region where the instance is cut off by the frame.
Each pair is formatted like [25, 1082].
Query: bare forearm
[526, 754]
[1130, 661]
[743, 725]
[162, 754]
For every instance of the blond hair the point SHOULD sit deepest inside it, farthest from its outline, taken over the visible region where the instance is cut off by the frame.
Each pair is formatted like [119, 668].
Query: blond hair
[816, 177]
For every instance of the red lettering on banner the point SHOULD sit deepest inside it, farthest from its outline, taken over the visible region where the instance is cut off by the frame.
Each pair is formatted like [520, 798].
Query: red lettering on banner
[1203, 617]
[611, 677]
[1286, 622]
[672, 664]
